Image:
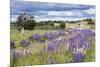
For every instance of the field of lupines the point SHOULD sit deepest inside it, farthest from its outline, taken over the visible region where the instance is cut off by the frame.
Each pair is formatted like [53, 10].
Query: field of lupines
[52, 47]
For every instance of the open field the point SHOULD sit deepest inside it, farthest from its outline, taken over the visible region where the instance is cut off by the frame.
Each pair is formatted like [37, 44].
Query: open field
[53, 46]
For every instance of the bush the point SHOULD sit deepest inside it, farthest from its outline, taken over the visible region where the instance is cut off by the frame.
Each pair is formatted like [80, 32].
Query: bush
[30, 24]
[62, 25]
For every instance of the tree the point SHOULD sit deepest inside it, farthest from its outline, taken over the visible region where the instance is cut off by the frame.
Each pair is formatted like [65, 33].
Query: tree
[24, 21]
[62, 25]
[90, 21]
[30, 24]
[20, 22]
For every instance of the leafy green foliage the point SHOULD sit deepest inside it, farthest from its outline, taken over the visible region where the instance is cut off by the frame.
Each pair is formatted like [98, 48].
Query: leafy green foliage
[30, 25]
[62, 25]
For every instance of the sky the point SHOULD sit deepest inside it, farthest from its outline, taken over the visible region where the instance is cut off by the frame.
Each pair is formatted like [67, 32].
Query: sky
[44, 11]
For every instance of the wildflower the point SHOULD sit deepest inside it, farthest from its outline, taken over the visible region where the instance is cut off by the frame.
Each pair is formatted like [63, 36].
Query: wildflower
[50, 48]
[51, 60]
[12, 44]
[24, 43]
[36, 37]
[78, 57]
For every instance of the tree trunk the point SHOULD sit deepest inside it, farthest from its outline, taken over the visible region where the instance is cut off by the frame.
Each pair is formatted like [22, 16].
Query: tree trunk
[22, 30]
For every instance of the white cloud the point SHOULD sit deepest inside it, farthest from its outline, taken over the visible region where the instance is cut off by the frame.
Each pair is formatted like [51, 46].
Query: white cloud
[65, 13]
[89, 2]
[90, 11]
[60, 13]
[58, 18]
[14, 18]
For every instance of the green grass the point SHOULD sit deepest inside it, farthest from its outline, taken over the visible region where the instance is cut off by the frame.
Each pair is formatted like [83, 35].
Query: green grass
[44, 58]
[16, 36]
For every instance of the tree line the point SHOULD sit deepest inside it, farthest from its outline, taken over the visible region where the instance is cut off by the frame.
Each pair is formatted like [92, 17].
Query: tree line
[26, 21]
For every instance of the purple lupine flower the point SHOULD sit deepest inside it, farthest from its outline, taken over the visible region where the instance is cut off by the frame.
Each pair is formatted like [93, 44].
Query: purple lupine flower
[36, 37]
[72, 43]
[24, 43]
[84, 43]
[14, 55]
[78, 57]
[51, 60]
[81, 39]
[50, 48]
[64, 41]
[45, 35]
[57, 44]
[62, 33]
[88, 32]
[12, 44]
[52, 35]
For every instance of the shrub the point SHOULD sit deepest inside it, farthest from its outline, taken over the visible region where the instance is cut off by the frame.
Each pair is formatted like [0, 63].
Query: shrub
[62, 25]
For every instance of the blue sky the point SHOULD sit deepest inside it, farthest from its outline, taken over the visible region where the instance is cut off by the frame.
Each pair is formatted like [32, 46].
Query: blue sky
[51, 11]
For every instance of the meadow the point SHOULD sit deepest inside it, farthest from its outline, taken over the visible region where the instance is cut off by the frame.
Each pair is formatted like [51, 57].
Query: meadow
[71, 45]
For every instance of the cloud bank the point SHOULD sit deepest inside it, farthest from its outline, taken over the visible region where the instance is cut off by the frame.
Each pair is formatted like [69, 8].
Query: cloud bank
[51, 11]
